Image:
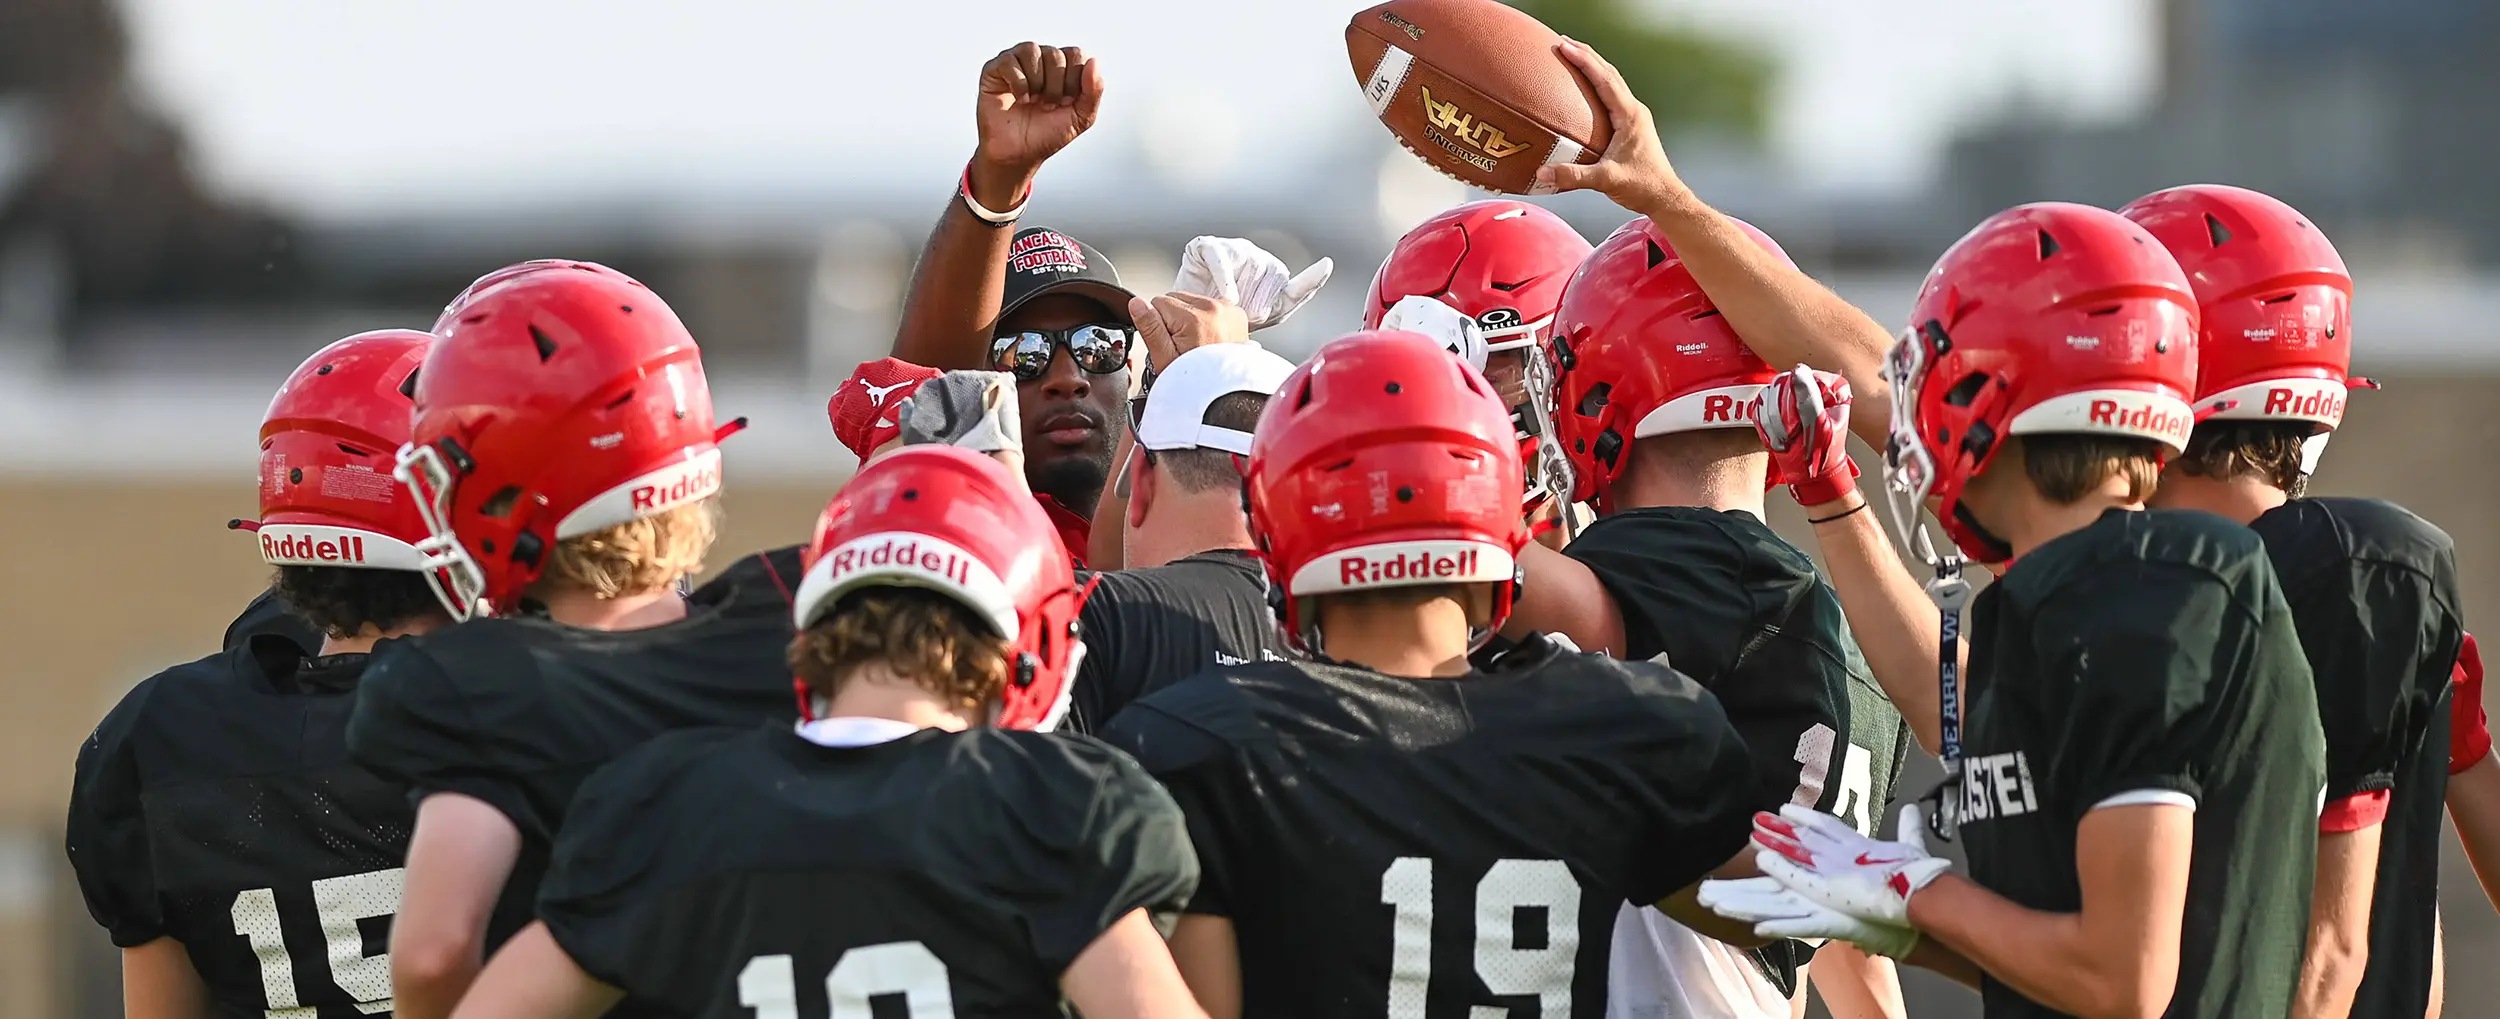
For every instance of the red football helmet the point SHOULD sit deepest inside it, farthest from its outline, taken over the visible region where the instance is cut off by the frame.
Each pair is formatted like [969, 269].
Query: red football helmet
[1384, 462]
[1640, 351]
[452, 312]
[1502, 262]
[954, 521]
[327, 446]
[2274, 298]
[560, 400]
[2047, 318]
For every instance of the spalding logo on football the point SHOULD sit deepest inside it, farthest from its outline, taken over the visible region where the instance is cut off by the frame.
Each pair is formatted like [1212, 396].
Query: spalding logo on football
[1475, 88]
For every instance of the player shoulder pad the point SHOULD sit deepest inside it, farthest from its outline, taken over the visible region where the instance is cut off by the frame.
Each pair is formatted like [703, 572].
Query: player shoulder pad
[1189, 721]
[2315, 532]
[176, 696]
[770, 577]
[425, 704]
[2122, 544]
[269, 614]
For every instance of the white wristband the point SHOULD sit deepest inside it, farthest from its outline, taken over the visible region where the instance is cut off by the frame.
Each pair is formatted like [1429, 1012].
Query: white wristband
[984, 213]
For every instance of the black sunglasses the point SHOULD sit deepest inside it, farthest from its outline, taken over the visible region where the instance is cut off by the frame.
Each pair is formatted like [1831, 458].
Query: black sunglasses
[1096, 349]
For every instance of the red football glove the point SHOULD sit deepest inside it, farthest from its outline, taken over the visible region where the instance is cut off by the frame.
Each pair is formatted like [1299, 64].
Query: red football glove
[863, 406]
[1803, 418]
[2469, 733]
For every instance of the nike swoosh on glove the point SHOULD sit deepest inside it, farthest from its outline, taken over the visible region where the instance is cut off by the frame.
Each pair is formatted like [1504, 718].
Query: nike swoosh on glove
[972, 409]
[1442, 324]
[1821, 858]
[1776, 912]
[1236, 270]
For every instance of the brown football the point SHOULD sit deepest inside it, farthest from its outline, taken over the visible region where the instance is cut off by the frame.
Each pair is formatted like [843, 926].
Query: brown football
[1475, 88]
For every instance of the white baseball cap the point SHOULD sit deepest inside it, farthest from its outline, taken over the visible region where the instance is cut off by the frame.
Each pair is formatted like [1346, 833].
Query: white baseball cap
[1176, 408]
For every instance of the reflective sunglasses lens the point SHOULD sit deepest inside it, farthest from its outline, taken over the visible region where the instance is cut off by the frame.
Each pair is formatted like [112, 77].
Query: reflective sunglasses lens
[1099, 350]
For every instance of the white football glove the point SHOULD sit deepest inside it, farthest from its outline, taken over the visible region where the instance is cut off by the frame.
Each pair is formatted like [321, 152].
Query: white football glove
[1820, 857]
[972, 409]
[1776, 912]
[1445, 325]
[1235, 270]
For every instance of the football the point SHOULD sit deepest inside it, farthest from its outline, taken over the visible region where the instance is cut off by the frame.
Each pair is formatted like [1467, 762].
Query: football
[1475, 88]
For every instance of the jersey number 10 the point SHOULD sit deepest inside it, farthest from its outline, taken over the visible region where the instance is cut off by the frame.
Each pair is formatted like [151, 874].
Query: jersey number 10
[1506, 969]
[339, 902]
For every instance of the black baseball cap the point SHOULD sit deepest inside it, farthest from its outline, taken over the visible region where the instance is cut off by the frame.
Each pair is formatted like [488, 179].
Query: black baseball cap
[1041, 261]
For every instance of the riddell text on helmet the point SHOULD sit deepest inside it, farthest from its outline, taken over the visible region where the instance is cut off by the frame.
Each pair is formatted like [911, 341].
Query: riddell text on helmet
[2311, 405]
[295, 548]
[684, 489]
[1420, 566]
[1729, 409]
[908, 555]
[2148, 418]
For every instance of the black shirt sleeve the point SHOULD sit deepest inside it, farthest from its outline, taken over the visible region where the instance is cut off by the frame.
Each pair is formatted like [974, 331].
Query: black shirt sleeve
[108, 833]
[598, 899]
[269, 614]
[1703, 814]
[1103, 686]
[1657, 579]
[1195, 768]
[1139, 858]
[420, 726]
[2146, 649]
[2363, 631]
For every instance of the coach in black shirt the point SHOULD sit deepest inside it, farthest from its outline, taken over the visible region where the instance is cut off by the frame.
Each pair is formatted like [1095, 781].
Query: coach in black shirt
[1193, 597]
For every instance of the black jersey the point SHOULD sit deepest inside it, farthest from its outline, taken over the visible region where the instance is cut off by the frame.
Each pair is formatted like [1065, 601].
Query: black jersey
[517, 711]
[2149, 658]
[721, 874]
[2373, 589]
[216, 805]
[1151, 627]
[1428, 847]
[1733, 605]
[269, 614]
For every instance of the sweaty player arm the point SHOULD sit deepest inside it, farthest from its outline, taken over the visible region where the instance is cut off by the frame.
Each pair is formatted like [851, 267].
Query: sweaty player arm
[2339, 923]
[533, 978]
[1209, 960]
[1127, 973]
[1855, 985]
[2119, 956]
[459, 856]
[1562, 595]
[2474, 806]
[1782, 313]
[958, 285]
[159, 982]
[1892, 618]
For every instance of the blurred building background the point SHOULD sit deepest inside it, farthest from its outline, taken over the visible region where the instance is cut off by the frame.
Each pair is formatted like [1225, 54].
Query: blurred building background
[195, 196]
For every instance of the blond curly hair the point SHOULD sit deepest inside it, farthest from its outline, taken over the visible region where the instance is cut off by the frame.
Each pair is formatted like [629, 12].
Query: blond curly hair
[638, 556]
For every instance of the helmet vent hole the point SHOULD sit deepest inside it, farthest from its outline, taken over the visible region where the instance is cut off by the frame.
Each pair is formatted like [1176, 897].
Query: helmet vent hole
[1965, 391]
[1595, 401]
[1702, 315]
[500, 504]
[2098, 312]
[1657, 255]
[1510, 286]
[1304, 398]
[2277, 299]
[911, 495]
[323, 370]
[626, 308]
[619, 401]
[1393, 389]
[2048, 245]
[408, 386]
[351, 450]
[546, 347]
[1406, 493]
[1339, 465]
[295, 476]
[2214, 229]
[472, 318]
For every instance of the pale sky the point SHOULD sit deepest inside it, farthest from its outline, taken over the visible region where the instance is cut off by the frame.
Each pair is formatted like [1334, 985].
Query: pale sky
[359, 109]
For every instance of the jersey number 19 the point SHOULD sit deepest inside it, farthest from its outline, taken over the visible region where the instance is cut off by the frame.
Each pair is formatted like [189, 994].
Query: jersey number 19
[339, 902]
[1506, 969]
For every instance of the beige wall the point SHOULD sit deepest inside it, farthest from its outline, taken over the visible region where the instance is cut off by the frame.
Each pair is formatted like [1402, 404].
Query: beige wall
[118, 578]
